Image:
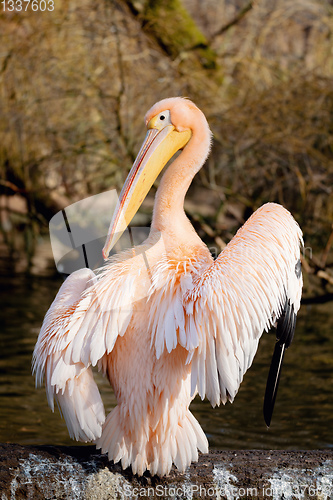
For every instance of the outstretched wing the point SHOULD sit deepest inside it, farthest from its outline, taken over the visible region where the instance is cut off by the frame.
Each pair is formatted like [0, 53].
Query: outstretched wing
[241, 295]
[71, 383]
[82, 324]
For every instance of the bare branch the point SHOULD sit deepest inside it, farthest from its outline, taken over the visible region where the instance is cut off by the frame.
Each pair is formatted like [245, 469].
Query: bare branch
[234, 21]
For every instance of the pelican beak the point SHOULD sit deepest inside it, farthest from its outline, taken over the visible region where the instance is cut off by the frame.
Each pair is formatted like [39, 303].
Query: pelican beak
[161, 143]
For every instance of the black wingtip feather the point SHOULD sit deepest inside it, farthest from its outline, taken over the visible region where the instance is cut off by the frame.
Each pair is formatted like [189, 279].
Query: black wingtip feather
[286, 325]
[284, 335]
[273, 382]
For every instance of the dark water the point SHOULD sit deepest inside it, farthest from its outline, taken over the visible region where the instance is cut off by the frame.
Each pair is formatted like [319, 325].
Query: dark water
[303, 416]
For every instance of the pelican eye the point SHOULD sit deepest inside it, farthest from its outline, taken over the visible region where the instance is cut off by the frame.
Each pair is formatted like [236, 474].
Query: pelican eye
[162, 117]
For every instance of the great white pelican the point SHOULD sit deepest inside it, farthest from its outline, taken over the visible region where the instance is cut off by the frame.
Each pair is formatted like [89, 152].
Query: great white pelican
[164, 321]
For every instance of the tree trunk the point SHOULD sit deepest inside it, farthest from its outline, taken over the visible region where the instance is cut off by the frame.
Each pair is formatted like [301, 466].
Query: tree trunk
[174, 30]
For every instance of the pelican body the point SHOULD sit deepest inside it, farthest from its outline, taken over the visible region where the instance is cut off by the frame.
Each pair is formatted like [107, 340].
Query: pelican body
[164, 321]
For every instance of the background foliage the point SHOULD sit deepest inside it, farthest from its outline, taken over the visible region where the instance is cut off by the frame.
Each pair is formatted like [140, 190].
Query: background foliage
[75, 84]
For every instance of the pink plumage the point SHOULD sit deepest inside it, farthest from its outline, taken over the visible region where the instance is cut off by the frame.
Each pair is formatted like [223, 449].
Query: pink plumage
[165, 321]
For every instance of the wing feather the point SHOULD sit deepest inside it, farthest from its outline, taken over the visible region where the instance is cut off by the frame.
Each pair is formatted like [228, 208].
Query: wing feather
[239, 296]
[82, 324]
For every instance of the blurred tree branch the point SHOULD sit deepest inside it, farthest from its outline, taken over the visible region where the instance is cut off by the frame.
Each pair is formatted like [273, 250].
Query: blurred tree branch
[239, 16]
[5, 62]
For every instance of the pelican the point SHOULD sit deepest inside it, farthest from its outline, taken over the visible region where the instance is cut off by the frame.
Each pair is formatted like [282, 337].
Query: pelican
[164, 321]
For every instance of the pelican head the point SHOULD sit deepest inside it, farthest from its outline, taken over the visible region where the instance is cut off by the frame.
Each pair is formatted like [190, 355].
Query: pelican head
[170, 126]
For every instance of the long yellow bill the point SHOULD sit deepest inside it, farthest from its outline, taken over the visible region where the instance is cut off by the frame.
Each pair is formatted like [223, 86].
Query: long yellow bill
[161, 143]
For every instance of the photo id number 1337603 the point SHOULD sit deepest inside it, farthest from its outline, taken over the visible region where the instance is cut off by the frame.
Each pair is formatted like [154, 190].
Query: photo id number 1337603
[27, 5]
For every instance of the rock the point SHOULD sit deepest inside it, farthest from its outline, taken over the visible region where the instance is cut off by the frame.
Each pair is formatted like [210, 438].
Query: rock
[81, 472]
